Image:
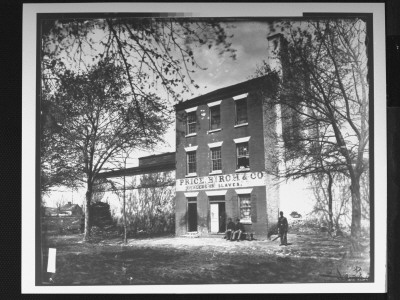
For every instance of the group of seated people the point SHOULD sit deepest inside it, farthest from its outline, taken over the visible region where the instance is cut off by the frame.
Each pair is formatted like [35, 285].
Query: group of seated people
[234, 230]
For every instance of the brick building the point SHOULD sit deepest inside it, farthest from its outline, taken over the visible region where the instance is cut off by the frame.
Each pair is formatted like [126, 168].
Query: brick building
[225, 157]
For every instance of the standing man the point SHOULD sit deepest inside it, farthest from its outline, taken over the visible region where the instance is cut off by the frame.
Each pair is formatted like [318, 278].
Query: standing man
[238, 229]
[230, 228]
[283, 229]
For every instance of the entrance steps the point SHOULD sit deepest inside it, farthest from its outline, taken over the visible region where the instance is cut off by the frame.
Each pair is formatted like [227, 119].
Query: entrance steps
[191, 234]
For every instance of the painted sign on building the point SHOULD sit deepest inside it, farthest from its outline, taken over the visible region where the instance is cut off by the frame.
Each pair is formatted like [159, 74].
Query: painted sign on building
[213, 182]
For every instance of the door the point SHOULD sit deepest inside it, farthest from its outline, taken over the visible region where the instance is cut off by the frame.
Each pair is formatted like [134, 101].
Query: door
[192, 216]
[214, 212]
[222, 216]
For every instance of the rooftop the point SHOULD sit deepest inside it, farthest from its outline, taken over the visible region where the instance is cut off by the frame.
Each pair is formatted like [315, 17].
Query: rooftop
[147, 164]
[69, 206]
[226, 92]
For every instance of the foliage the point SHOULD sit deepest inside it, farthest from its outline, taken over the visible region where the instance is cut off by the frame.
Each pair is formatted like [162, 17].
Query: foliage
[151, 209]
[153, 51]
[61, 225]
[100, 214]
[101, 75]
[55, 170]
[99, 189]
[273, 229]
[295, 214]
[100, 120]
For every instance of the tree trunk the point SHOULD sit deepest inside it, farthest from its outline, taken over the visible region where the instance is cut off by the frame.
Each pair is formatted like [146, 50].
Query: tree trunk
[125, 239]
[355, 208]
[330, 200]
[87, 211]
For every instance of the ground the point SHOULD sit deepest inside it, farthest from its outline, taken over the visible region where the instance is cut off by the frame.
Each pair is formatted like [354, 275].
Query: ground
[206, 260]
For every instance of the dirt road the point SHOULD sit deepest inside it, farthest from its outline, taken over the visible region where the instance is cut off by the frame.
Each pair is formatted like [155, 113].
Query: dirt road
[177, 260]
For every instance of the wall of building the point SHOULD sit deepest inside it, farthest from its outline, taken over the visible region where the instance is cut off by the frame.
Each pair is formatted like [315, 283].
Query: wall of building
[157, 159]
[227, 134]
[264, 199]
[272, 158]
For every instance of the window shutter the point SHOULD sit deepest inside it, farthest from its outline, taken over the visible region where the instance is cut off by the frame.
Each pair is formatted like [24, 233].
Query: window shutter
[253, 208]
[235, 212]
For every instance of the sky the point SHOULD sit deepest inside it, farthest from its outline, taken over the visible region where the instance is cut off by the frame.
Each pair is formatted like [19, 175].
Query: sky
[250, 41]
[248, 38]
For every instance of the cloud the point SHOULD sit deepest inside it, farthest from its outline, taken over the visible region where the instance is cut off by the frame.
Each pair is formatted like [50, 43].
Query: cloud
[249, 41]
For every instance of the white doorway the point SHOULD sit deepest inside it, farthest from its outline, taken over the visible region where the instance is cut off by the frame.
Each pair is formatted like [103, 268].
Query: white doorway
[214, 212]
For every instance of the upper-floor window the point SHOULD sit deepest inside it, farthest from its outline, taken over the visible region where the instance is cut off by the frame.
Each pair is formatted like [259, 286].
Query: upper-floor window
[216, 159]
[242, 154]
[191, 162]
[215, 117]
[241, 111]
[191, 122]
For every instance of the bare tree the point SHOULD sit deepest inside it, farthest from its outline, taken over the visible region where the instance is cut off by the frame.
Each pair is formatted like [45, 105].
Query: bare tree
[324, 101]
[332, 200]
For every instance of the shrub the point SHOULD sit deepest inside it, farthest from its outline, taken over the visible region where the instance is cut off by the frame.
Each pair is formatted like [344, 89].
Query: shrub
[295, 214]
[100, 214]
[272, 230]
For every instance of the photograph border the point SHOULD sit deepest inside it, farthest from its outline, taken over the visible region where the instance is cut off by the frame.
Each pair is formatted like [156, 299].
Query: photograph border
[30, 115]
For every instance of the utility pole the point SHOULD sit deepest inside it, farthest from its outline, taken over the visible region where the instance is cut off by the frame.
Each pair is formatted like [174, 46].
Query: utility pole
[125, 239]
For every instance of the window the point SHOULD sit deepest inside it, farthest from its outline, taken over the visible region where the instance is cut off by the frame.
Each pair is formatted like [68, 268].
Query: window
[245, 207]
[215, 117]
[241, 111]
[216, 160]
[191, 162]
[242, 155]
[191, 122]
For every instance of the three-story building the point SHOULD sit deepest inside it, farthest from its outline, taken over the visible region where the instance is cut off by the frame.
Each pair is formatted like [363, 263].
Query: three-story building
[225, 159]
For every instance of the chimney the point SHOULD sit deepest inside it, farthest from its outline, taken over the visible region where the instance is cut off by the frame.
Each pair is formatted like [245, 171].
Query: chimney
[69, 202]
[275, 42]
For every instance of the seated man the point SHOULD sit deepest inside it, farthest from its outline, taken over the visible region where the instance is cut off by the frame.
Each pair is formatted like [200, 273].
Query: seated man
[230, 228]
[238, 229]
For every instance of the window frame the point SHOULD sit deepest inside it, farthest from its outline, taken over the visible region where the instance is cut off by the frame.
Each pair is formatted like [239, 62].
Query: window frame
[188, 124]
[238, 168]
[237, 103]
[216, 159]
[248, 207]
[213, 109]
[188, 169]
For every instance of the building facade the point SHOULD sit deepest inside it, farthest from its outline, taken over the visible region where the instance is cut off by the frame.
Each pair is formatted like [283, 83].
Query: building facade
[226, 155]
